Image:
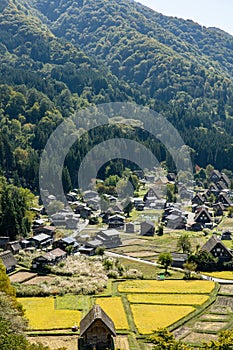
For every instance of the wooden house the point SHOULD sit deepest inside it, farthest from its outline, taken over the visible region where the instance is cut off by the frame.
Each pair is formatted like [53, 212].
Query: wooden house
[224, 199]
[4, 242]
[176, 221]
[67, 243]
[215, 176]
[219, 209]
[41, 241]
[89, 194]
[213, 189]
[147, 228]
[198, 199]
[139, 204]
[203, 216]
[215, 246]
[48, 230]
[226, 236]
[14, 247]
[129, 227]
[116, 221]
[50, 258]
[8, 260]
[110, 238]
[151, 196]
[178, 259]
[221, 185]
[90, 251]
[96, 330]
[224, 178]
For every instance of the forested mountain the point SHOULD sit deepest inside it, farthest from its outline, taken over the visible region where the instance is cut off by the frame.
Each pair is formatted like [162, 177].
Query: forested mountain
[59, 56]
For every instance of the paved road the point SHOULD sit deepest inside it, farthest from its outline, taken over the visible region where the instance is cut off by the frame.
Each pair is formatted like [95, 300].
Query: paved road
[115, 255]
[81, 226]
[218, 280]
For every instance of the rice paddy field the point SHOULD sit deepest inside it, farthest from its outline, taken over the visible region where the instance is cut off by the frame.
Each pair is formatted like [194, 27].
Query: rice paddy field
[167, 286]
[141, 305]
[114, 308]
[148, 318]
[226, 275]
[43, 316]
[168, 299]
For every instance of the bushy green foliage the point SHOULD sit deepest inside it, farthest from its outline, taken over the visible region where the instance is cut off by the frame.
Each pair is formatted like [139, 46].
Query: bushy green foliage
[184, 243]
[165, 259]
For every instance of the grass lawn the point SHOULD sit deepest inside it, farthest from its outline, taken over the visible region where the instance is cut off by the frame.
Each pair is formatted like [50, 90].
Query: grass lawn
[149, 271]
[73, 302]
[115, 310]
[151, 317]
[168, 286]
[43, 316]
[228, 244]
[226, 275]
[226, 223]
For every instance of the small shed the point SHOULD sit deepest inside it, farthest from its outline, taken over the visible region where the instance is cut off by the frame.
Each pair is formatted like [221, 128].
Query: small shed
[147, 228]
[129, 227]
[97, 330]
[3, 242]
[8, 260]
[178, 259]
[14, 247]
[226, 236]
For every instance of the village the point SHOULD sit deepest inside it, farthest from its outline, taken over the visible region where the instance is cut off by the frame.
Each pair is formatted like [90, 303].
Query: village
[132, 240]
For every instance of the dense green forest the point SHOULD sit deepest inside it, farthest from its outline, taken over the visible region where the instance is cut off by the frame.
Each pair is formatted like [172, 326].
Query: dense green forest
[60, 56]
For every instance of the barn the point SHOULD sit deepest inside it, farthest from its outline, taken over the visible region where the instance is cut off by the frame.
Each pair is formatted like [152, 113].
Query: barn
[96, 330]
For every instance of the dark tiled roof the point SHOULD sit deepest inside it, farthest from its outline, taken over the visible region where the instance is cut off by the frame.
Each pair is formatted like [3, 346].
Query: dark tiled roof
[96, 313]
[8, 259]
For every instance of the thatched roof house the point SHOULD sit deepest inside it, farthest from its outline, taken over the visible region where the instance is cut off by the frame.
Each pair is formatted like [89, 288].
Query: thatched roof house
[97, 329]
[8, 260]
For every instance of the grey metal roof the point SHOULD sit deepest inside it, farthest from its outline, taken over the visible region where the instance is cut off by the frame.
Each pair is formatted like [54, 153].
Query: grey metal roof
[68, 240]
[41, 237]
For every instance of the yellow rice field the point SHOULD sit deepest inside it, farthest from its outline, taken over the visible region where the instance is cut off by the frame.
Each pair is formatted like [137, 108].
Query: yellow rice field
[148, 318]
[42, 315]
[168, 299]
[114, 309]
[226, 275]
[167, 286]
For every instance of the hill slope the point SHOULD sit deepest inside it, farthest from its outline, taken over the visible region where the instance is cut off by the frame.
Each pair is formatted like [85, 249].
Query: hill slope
[62, 55]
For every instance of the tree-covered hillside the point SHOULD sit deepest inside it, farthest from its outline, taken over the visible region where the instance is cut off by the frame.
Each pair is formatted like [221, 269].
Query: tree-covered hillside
[60, 56]
[184, 70]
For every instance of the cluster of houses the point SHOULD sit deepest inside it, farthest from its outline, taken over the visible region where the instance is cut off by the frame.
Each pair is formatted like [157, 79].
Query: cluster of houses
[215, 246]
[212, 202]
[207, 205]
